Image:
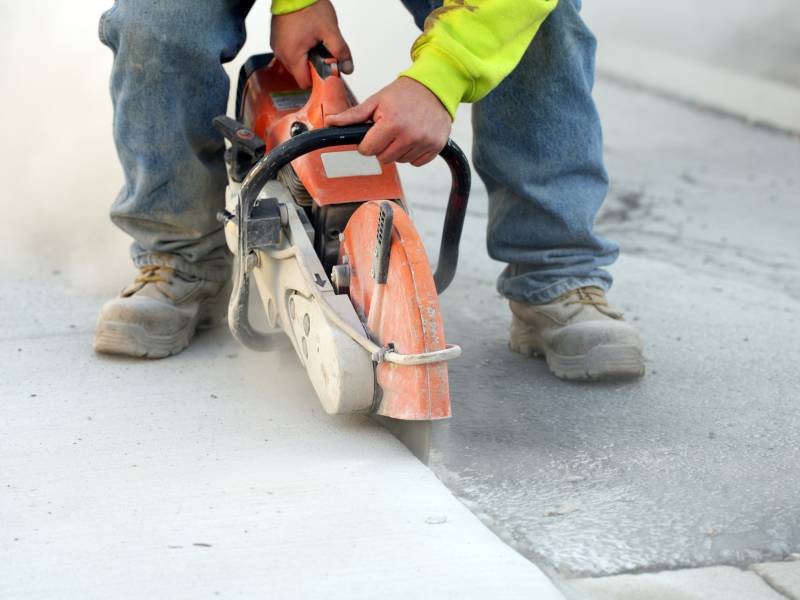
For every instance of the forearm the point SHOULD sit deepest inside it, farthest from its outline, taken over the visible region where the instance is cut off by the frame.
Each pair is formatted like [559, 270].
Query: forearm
[469, 46]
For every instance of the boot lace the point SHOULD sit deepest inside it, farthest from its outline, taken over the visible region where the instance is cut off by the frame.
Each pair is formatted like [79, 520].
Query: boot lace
[589, 296]
[154, 274]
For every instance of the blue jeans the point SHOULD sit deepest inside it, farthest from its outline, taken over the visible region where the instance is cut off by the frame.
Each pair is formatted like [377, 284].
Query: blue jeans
[537, 144]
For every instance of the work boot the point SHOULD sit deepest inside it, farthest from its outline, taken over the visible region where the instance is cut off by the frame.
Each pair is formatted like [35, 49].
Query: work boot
[158, 314]
[579, 335]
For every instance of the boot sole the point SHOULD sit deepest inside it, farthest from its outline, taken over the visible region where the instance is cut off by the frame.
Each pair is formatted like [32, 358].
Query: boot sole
[131, 339]
[611, 361]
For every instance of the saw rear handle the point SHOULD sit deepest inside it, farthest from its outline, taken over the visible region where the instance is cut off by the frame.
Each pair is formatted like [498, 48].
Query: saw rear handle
[267, 168]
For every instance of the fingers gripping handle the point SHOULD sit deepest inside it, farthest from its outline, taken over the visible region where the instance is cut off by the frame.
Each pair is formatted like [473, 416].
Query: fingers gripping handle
[267, 169]
[321, 61]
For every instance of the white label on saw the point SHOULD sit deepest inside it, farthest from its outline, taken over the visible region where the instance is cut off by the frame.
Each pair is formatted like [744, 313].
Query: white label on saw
[284, 101]
[349, 163]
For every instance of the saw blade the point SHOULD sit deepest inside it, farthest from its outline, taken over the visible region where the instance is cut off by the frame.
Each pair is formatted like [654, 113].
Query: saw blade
[415, 435]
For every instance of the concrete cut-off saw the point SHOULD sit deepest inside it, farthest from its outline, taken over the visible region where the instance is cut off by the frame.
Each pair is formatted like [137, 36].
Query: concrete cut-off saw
[338, 264]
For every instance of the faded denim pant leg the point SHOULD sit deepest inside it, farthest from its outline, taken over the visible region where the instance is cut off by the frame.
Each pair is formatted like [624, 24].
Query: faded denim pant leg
[167, 84]
[537, 147]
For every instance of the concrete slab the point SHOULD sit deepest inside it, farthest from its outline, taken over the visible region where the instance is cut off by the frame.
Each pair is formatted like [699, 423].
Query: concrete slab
[714, 583]
[782, 576]
[208, 475]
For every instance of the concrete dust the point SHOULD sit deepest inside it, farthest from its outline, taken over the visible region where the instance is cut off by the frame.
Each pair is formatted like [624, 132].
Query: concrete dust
[58, 165]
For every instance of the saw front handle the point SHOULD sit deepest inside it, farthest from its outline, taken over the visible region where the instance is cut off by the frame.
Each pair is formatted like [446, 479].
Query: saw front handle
[267, 169]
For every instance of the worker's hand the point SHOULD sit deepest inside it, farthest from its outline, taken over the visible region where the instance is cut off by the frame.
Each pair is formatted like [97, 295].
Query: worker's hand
[411, 124]
[292, 35]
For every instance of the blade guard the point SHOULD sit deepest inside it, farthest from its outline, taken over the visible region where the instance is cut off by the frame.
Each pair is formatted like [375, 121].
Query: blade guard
[405, 313]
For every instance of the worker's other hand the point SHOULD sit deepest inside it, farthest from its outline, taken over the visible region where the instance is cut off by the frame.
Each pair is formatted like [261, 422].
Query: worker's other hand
[294, 34]
[411, 124]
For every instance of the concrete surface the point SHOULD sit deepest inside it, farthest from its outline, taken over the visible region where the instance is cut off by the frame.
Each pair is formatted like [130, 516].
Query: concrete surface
[713, 583]
[207, 476]
[784, 577]
[695, 465]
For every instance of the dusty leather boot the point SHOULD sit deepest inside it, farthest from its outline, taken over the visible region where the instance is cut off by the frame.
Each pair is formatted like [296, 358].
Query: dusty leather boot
[579, 335]
[158, 314]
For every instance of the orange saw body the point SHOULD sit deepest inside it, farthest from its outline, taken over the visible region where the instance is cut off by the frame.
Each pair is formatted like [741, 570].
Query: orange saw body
[325, 234]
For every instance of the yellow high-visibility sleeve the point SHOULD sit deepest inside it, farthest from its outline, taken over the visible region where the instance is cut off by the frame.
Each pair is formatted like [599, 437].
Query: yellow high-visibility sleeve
[469, 46]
